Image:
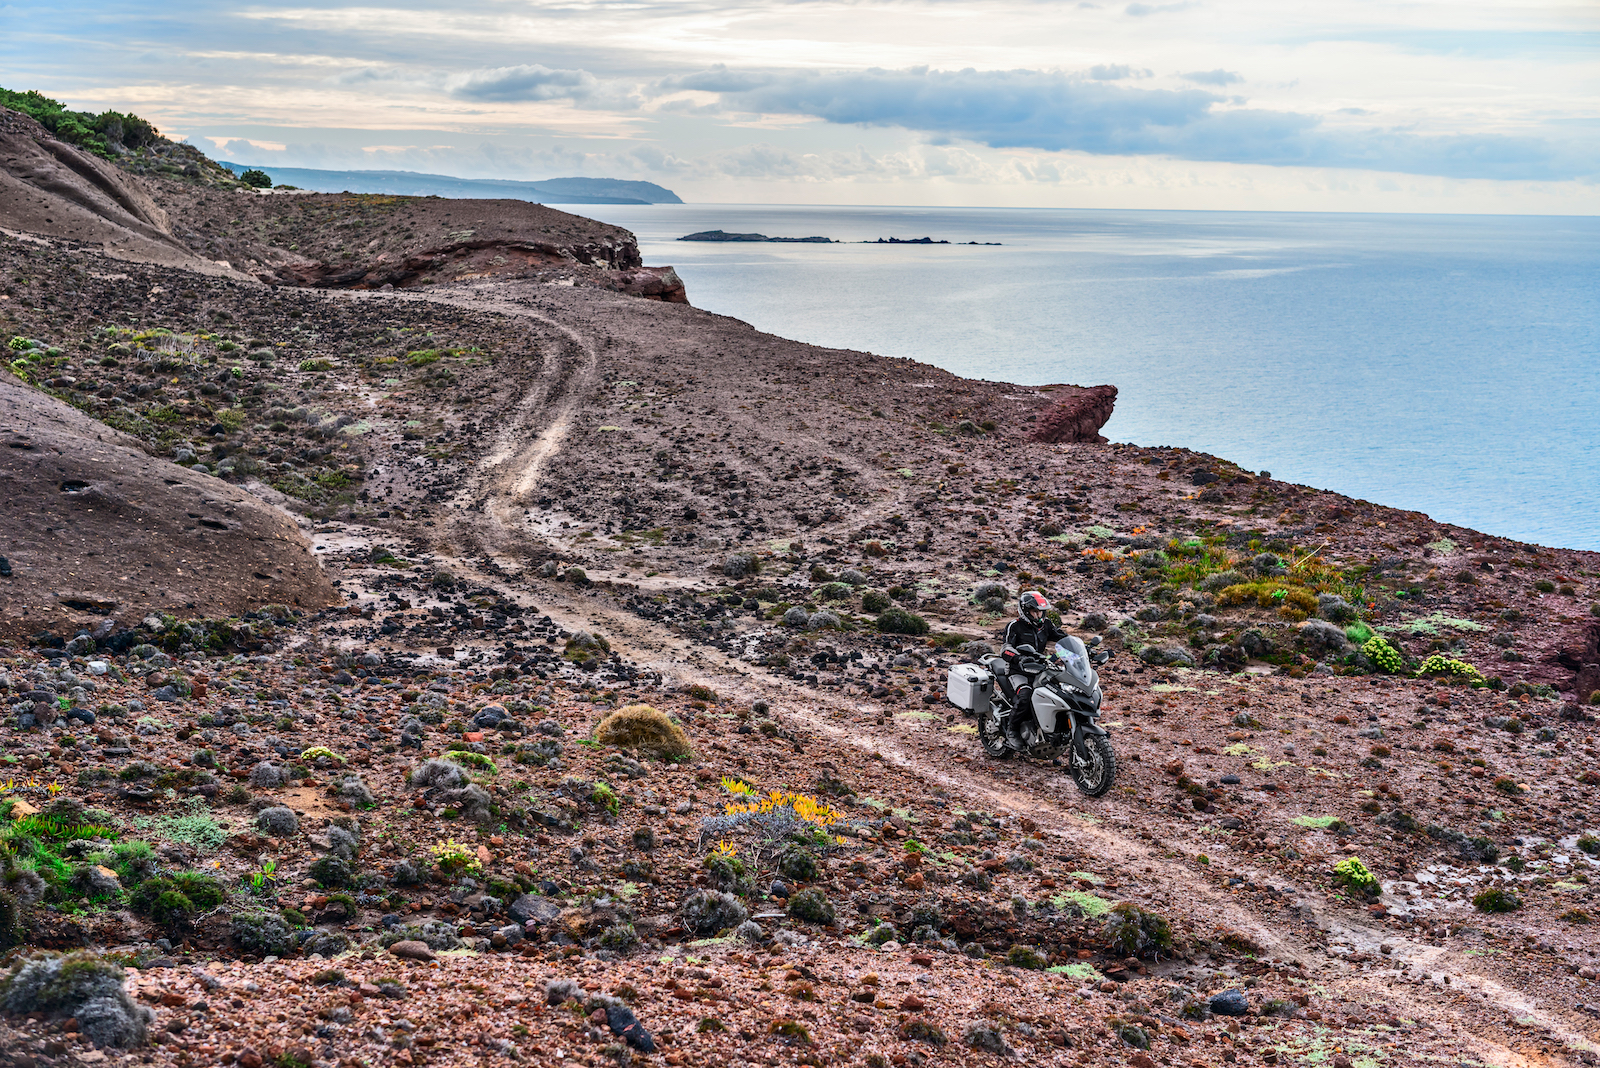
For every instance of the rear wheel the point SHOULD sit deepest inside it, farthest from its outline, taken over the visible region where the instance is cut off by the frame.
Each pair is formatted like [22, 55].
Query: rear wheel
[1095, 775]
[992, 732]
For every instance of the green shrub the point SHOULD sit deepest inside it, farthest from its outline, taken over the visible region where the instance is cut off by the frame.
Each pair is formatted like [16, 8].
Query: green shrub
[1354, 874]
[900, 621]
[261, 933]
[1133, 931]
[1384, 657]
[1438, 665]
[728, 869]
[619, 938]
[799, 864]
[256, 179]
[811, 906]
[331, 871]
[1496, 900]
[1026, 957]
[874, 601]
[84, 129]
[172, 901]
[477, 761]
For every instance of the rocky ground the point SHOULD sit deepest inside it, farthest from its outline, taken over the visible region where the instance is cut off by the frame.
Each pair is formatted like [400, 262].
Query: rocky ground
[541, 499]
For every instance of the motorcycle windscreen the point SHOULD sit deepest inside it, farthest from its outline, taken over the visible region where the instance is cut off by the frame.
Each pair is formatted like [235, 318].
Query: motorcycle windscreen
[1075, 660]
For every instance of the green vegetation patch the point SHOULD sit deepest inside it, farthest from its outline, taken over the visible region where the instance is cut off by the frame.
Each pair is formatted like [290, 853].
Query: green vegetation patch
[1088, 904]
[95, 133]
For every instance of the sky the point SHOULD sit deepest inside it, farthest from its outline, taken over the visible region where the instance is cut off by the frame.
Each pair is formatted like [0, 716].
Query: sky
[1405, 105]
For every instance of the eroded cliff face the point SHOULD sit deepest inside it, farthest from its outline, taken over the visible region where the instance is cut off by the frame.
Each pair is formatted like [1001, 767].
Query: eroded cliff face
[52, 188]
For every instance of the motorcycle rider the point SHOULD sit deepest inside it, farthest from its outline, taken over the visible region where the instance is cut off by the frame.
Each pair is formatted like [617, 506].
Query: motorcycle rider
[1035, 629]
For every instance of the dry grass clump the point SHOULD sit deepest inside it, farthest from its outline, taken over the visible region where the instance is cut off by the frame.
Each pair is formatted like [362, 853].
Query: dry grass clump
[645, 729]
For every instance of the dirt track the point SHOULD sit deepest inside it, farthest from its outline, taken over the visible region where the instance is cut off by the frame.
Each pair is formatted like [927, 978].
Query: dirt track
[456, 450]
[1114, 831]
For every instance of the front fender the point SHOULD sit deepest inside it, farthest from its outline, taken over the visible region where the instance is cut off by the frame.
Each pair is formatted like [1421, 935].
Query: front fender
[1082, 728]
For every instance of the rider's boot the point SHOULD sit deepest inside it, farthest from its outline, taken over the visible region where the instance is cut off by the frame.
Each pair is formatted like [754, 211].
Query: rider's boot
[1014, 732]
[1014, 720]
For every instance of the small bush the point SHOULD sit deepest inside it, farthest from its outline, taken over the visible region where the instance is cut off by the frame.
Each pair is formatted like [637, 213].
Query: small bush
[256, 179]
[799, 864]
[79, 985]
[1354, 874]
[729, 869]
[1496, 900]
[1437, 665]
[900, 621]
[1026, 957]
[355, 791]
[435, 772]
[712, 910]
[278, 822]
[920, 1030]
[266, 775]
[261, 933]
[1133, 931]
[331, 871]
[643, 728]
[1384, 657]
[619, 938]
[875, 601]
[812, 906]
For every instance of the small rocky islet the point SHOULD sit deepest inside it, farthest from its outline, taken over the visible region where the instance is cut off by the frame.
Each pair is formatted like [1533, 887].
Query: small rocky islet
[646, 755]
[725, 236]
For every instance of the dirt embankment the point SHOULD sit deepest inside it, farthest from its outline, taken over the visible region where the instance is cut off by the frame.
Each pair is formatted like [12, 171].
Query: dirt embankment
[50, 187]
[93, 526]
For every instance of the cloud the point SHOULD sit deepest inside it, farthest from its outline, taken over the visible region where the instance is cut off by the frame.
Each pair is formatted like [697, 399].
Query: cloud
[531, 81]
[1060, 112]
[1140, 11]
[1218, 77]
[1112, 72]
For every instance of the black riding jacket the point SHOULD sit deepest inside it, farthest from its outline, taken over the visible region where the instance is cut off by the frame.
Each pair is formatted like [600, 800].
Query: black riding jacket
[1042, 636]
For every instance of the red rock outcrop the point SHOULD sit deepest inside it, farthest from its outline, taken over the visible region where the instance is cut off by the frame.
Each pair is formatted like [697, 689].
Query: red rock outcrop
[1078, 416]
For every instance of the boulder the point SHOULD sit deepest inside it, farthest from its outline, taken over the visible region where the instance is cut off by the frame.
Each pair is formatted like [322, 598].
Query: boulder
[412, 950]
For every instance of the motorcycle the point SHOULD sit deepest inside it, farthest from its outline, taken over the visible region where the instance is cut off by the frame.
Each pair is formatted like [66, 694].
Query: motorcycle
[1062, 708]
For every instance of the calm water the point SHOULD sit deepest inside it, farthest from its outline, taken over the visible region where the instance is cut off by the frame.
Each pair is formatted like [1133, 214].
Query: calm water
[1448, 364]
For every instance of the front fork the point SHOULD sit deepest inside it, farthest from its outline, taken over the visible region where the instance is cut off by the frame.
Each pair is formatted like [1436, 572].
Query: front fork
[1084, 724]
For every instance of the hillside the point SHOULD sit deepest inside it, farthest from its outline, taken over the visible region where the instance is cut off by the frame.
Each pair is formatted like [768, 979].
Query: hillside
[392, 828]
[411, 183]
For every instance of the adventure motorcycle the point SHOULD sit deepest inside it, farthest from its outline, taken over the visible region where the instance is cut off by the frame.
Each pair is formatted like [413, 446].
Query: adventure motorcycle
[1060, 707]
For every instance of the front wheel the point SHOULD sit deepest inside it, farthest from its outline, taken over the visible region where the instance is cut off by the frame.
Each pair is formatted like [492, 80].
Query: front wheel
[1095, 775]
[992, 733]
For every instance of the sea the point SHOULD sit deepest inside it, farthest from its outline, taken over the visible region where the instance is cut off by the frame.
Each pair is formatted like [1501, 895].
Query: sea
[1448, 364]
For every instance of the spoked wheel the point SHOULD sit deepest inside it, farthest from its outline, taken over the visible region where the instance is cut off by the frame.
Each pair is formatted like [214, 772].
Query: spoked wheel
[992, 733]
[1095, 775]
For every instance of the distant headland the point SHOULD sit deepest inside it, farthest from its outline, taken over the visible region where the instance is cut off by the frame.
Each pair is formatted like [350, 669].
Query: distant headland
[723, 235]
